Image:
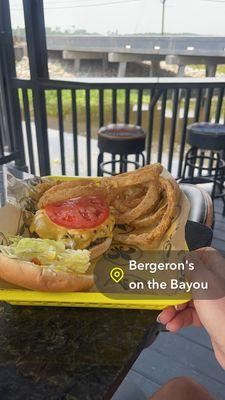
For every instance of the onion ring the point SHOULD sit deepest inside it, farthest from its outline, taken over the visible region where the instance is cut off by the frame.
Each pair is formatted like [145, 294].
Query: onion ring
[127, 200]
[147, 203]
[150, 219]
[141, 199]
[139, 176]
[147, 240]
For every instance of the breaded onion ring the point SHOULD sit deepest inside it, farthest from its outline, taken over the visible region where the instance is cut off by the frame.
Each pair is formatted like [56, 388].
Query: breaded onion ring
[141, 199]
[147, 204]
[151, 219]
[139, 176]
[129, 198]
[147, 240]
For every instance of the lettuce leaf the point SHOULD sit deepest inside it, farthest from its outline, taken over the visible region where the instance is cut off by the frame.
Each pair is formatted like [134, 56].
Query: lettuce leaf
[49, 253]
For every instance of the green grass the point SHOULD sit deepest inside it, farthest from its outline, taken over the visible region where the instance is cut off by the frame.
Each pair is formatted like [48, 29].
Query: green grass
[197, 67]
[52, 106]
[220, 68]
[51, 100]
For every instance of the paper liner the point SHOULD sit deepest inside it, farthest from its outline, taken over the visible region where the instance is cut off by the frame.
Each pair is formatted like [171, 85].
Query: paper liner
[21, 202]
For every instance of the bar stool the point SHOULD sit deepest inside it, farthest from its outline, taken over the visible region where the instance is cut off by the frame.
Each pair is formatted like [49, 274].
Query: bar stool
[204, 161]
[122, 140]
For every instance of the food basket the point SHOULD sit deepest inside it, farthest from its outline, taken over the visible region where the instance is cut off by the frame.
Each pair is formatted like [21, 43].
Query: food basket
[10, 220]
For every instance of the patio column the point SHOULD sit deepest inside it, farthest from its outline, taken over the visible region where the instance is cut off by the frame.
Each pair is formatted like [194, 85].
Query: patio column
[37, 52]
[11, 116]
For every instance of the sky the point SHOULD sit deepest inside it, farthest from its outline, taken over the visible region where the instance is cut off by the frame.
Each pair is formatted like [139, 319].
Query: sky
[206, 17]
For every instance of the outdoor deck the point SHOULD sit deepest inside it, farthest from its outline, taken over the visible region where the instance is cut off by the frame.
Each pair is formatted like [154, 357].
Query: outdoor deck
[188, 352]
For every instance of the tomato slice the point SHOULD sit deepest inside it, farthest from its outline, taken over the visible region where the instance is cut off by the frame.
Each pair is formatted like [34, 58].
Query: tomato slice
[79, 213]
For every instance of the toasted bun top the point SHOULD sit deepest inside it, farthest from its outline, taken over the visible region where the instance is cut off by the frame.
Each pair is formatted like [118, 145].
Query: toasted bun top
[68, 190]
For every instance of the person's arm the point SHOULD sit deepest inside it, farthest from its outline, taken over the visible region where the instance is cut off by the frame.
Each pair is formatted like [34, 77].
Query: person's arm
[208, 312]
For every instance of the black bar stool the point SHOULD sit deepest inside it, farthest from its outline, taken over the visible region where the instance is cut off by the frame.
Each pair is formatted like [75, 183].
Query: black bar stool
[204, 161]
[122, 140]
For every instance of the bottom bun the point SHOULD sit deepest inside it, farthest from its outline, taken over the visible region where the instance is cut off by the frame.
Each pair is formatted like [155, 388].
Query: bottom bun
[30, 276]
[97, 250]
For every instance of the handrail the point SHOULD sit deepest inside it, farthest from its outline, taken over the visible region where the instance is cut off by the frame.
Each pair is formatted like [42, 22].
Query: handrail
[117, 83]
[185, 100]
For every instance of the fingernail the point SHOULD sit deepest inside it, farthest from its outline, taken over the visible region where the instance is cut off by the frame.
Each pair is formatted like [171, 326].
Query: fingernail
[158, 318]
[176, 307]
[168, 326]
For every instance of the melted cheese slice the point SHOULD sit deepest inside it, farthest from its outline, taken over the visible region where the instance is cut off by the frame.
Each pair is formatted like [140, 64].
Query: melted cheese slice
[80, 238]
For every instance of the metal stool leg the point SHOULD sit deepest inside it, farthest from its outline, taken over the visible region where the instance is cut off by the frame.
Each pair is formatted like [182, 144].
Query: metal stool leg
[215, 183]
[137, 159]
[193, 152]
[100, 160]
[218, 179]
[113, 164]
[183, 175]
[124, 162]
[143, 159]
[190, 155]
[222, 179]
[121, 164]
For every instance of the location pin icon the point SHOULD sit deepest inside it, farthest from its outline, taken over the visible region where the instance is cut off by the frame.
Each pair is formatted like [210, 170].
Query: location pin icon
[116, 274]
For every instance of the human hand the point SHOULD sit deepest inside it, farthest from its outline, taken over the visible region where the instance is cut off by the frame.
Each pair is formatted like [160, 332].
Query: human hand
[179, 316]
[208, 311]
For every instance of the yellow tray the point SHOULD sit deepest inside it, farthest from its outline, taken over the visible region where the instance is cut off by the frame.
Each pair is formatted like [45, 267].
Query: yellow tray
[24, 297]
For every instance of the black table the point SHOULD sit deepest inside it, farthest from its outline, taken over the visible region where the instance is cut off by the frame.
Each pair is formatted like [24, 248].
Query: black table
[70, 353]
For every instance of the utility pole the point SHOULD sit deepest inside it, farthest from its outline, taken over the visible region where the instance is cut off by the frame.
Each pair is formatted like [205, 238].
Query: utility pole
[163, 15]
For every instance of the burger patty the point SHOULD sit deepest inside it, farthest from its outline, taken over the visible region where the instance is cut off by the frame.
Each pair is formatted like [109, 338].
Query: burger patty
[96, 242]
[73, 238]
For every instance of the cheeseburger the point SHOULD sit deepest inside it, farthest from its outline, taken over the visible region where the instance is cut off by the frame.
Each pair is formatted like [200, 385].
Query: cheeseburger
[80, 222]
[72, 225]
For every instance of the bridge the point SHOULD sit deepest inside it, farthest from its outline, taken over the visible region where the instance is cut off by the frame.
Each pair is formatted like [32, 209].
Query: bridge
[174, 50]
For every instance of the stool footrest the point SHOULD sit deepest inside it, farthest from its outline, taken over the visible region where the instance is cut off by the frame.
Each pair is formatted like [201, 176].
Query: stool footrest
[123, 164]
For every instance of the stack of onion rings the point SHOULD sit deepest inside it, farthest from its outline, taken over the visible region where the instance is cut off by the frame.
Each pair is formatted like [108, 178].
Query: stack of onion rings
[141, 199]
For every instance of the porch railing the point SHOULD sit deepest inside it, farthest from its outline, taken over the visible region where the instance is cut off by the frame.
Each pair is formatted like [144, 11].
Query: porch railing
[50, 125]
[164, 107]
